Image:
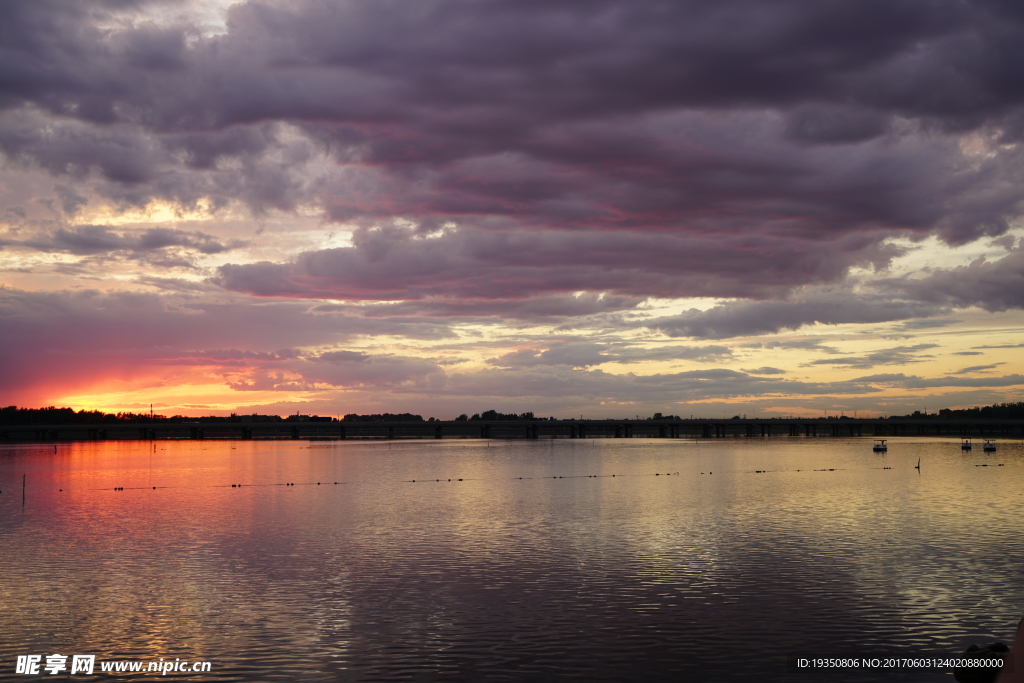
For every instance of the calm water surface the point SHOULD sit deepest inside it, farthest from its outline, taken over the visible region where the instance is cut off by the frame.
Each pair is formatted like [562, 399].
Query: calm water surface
[532, 563]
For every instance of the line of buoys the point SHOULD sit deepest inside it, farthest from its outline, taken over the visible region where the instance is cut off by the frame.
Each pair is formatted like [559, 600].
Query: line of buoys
[578, 476]
[562, 476]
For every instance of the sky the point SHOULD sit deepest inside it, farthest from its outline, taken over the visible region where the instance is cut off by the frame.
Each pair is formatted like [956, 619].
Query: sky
[597, 209]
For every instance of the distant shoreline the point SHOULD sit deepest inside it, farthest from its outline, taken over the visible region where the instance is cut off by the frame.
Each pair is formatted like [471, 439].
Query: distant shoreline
[697, 428]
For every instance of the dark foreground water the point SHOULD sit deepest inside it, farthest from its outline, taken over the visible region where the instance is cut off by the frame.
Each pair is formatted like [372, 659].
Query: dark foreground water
[527, 561]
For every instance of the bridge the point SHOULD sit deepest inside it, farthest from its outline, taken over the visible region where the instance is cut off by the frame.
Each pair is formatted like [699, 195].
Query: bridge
[523, 429]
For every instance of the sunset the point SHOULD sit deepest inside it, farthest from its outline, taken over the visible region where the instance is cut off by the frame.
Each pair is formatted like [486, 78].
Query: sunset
[372, 341]
[605, 209]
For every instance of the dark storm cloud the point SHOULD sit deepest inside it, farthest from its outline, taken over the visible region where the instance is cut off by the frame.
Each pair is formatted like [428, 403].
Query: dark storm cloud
[120, 153]
[101, 239]
[744, 318]
[560, 59]
[992, 285]
[395, 263]
[780, 119]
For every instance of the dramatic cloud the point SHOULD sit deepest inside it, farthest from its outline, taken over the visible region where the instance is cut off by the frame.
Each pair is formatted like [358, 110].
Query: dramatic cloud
[509, 199]
[101, 239]
[744, 318]
[396, 263]
[580, 354]
[538, 309]
[994, 286]
[606, 115]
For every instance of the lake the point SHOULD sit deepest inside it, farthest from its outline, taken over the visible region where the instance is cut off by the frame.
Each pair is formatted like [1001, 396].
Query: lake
[603, 560]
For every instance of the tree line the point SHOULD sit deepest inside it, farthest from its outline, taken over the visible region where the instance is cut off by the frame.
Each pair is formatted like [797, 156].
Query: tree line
[50, 415]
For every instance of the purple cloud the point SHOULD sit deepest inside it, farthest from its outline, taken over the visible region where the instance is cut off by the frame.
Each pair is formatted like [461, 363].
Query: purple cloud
[500, 166]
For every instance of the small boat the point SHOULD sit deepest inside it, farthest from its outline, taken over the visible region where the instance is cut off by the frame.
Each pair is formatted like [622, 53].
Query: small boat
[879, 446]
[965, 444]
[989, 447]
